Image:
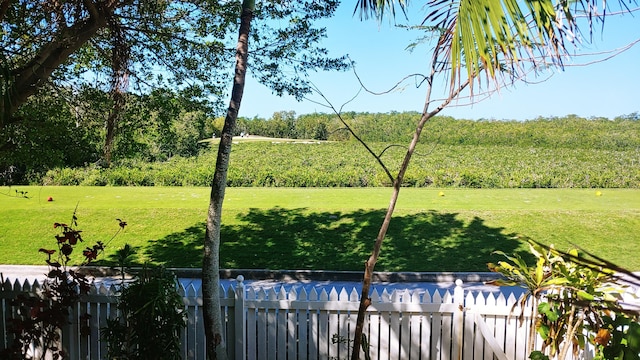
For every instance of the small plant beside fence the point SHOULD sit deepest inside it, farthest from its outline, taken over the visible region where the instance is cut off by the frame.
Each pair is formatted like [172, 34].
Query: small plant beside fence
[275, 323]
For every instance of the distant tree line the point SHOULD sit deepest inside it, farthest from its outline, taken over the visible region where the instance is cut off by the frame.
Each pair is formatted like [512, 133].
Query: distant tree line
[65, 129]
[570, 131]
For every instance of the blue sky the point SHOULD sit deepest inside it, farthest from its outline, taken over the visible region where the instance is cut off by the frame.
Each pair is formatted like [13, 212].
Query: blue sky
[605, 89]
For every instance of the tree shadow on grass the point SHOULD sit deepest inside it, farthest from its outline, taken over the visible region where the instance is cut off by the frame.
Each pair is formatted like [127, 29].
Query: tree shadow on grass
[296, 239]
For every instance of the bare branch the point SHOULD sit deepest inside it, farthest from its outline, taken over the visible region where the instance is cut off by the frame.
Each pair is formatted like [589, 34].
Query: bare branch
[346, 125]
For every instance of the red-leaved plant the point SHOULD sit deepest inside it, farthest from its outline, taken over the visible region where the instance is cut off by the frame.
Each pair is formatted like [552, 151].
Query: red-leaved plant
[40, 316]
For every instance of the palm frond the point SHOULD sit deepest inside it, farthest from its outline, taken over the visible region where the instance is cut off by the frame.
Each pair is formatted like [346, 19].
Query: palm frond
[512, 37]
[501, 37]
[379, 8]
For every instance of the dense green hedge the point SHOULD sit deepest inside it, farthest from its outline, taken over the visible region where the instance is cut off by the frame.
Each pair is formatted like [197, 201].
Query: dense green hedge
[347, 164]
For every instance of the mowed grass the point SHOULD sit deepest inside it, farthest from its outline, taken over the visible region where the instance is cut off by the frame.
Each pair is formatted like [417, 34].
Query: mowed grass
[325, 228]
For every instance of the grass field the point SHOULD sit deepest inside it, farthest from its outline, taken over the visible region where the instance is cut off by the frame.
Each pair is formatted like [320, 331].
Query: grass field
[325, 228]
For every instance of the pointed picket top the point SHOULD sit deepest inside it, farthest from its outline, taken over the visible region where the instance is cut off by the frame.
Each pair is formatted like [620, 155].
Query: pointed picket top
[25, 286]
[436, 298]
[113, 289]
[313, 295]
[427, 297]
[448, 297]
[6, 285]
[230, 293]
[272, 294]
[261, 294]
[93, 287]
[491, 299]
[343, 296]
[385, 297]
[191, 291]
[33, 287]
[375, 297]
[405, 296]
[17, 286]
[469, 299]
[103, 290]
[353, 295]
[282, 294]
[501, 300]
[333, 294]
[251, 293]
[511, 299]
[323, 295]
[396, 296]
[293, 294]
[93, 290]
[303, 295]
[415, 297]
[181, 289]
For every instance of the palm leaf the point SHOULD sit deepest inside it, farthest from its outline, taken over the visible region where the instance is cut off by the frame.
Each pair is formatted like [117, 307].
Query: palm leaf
[499, 37]
[379, 8]
[496, 36]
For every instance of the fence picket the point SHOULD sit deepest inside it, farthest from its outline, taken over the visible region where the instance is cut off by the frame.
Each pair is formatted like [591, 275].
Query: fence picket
[303, 326]
[469, 325]
[252, 326]
[84, 331]
[501, 324]
[94, 328]
[106, 310]
[291, 332]
[191, 310]
[314, 335]
[416, 322]
[324, 339]
[5, 311]
[523, 329]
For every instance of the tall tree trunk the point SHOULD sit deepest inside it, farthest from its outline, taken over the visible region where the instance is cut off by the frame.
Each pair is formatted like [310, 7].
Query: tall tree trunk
[112, 119]
[120, 54]
[211, 258]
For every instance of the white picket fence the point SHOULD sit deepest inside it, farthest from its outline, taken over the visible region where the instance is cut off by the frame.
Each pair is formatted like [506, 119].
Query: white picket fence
[267, 324]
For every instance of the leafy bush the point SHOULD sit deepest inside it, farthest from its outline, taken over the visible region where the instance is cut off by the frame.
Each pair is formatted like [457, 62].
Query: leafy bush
[151, 319]
[575, 299]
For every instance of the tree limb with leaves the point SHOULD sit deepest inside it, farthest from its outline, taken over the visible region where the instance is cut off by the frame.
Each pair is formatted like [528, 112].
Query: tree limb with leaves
[136, 46]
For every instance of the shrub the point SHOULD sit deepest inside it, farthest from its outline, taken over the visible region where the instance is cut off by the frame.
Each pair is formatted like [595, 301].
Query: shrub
[151, 319]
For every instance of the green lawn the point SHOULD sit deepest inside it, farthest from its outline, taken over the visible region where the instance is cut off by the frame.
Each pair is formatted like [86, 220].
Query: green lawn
[326, 228]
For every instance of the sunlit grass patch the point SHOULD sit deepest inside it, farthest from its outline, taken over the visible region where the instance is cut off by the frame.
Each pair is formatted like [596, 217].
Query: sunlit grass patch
[326, 228]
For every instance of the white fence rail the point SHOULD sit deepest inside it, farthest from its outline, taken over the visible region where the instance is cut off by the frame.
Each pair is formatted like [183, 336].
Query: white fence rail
[300, 324]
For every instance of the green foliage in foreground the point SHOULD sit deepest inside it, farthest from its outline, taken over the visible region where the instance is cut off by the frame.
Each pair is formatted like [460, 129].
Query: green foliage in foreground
[322, 228]
[347, 164]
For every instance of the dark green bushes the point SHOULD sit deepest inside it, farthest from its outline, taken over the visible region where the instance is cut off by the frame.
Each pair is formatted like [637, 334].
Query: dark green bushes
[346, 164]
[151, 319]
